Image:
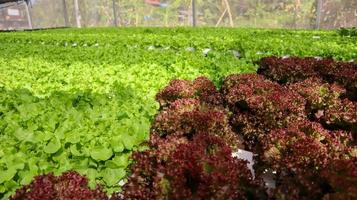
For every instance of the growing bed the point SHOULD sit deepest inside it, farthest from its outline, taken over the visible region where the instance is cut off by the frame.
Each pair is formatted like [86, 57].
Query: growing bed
[84, 100]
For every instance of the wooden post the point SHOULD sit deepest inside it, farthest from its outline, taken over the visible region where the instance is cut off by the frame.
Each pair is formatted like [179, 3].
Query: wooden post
[229, 13]
[65, 13]
[29, 18]
[77, 13]
[318, 13]
[115, 13]
[221, 17]
[194, 22]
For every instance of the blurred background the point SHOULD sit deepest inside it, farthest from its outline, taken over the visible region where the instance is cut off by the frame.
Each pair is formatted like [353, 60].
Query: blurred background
[305, 14]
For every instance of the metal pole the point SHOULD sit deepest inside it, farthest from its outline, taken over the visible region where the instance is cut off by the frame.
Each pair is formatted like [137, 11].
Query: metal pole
[118, 12]
[194, 22]
[65, 13]
[6, 25]
[77, 13]
[318, 13]
[29, 19]
[115, 14]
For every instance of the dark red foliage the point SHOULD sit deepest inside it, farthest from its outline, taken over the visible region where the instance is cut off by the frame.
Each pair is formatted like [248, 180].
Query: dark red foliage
[298, 154]
[149, 167]
[200, 169]
[186, 117]
[260, 105]
[168, 121]
[341, 175]
[287, 70]
[200, 88]
[324, 104]
[68, 186]
[208, 170]
[166, 145]
[348, 78]
[253, 93]
[274, 122]
[342, 116]
[176, 89]
[302, 146]
[295, 69]
[300, 186]
[319, 94]
[338, 181]
[206, 90]
[343, 73]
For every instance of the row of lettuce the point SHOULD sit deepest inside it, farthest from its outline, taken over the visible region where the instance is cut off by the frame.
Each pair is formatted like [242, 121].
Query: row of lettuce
[300, 125]
[84, 99]
[252, 43]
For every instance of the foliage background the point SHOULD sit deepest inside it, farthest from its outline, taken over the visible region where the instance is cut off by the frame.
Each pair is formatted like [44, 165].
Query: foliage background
[172, 13]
